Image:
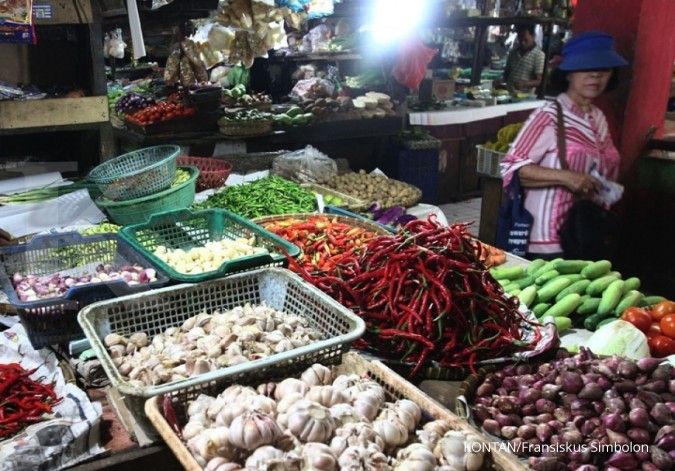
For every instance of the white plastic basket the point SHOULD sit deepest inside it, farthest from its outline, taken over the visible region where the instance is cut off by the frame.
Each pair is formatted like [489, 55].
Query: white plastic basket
[487, 161]
[155, 311]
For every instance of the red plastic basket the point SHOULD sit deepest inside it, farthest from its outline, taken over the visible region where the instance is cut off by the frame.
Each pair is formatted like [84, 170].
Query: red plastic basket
[212, 172]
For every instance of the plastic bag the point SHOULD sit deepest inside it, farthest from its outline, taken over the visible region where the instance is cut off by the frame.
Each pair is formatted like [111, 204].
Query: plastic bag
[313, 88]
[411, 65]
[316, 40]
[305, 166]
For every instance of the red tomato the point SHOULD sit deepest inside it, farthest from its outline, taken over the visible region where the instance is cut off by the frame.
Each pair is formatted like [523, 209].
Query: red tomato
[663, 308]
[662, 346]
[638, 317]
[654, 330]
[667, 325]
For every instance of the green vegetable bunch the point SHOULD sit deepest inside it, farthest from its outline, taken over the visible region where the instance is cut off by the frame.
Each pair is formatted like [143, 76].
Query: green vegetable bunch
[265, 197]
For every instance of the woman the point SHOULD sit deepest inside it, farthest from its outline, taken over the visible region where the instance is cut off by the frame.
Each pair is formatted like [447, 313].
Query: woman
[587, 70]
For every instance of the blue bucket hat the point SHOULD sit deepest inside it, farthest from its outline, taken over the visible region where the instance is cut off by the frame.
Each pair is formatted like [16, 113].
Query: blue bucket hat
[590, 51]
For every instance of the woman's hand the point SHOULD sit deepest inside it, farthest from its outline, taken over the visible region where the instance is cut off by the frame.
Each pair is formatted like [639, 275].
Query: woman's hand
[580, 182]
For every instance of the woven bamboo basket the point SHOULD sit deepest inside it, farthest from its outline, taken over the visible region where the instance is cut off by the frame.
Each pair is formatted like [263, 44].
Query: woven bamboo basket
[395, 386]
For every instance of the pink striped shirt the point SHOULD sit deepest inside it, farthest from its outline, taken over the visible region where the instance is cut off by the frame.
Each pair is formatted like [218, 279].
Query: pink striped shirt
[588, 142]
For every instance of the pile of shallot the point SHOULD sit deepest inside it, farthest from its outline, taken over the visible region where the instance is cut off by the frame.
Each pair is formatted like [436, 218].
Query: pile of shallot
[610, 414]
[206, 342]
[35, 287]
[321, 422]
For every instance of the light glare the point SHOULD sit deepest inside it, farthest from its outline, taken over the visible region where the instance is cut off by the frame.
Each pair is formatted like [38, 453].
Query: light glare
[395, 19]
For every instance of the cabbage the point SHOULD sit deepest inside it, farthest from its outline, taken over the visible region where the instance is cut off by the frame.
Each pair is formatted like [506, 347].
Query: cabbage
[619, 338]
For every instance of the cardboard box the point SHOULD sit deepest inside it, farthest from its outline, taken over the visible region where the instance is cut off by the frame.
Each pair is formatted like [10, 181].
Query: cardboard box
[443, 89]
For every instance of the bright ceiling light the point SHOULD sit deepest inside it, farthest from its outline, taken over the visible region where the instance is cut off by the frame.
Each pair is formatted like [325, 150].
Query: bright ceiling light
[396, 19]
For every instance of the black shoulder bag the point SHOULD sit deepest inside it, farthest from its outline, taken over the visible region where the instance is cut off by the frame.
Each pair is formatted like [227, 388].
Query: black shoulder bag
[590, 232]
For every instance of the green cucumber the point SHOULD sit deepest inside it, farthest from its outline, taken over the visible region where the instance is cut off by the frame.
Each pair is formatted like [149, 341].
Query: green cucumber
[589, 306]
[565, 306]
[592, 321]
[527, 295]
[507, 273]
[515, 292]
[540, 309]
[535, 265]
[510, 288]
[561, 323]
[567, 267]
[616, 273]
[548, 276]
[524, 282]
[651, 300]
[574, 277]
[504, 282]
[552, 288]
[632, 298]
[584, 297]
[599, 285]
[632, 283]
[548, 266]
[611, 297]
[578, 287]
[596, 269]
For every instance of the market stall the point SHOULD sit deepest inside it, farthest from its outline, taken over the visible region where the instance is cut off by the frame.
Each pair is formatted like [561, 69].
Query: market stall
[275, 307]
[411, 295]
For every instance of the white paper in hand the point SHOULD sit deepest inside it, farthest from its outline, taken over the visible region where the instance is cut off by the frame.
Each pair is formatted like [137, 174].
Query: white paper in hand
[609, 193]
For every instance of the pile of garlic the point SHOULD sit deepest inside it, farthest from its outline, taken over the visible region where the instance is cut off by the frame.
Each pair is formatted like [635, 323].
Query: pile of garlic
[206, 342]
[209, 257]
[322, 423]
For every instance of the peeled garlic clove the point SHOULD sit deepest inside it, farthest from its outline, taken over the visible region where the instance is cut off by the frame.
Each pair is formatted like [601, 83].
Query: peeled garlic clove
[140, 339]
[317, 375]
[114, 339]
[125, 368]
[187, 325]
[267, 389]
[130, 349]
[117, 351]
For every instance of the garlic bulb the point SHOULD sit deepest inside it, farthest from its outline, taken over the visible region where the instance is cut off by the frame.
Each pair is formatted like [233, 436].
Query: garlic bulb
[344, 414]
[192, 429]
[287, 442]
[215, 407]
[288, 386]
[236, 393]
[288, 400]
[317, 375]
[363, 458]
[452, 450]
[310, 421]
[415, 457]
[252, 430]
[432, 432]
[327, 396]
[210, 443]
[318, 456]
[263, 457]
[221, 464]
[362, 385]
[407, 412]
[260, 403]
[229, 412]
[266, 389]
[355, 434]
[367, 404]
[393, 432]
[201, 404]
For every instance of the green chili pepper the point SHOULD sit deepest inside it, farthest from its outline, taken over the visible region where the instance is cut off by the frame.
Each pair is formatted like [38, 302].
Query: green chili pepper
[265, 197]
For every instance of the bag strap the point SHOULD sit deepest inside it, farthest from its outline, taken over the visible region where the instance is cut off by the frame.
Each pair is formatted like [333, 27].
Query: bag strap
[562, 144]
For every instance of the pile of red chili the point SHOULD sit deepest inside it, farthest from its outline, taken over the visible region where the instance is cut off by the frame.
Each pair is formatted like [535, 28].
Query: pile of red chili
[23, 401]
[425, 295]
[325, 242]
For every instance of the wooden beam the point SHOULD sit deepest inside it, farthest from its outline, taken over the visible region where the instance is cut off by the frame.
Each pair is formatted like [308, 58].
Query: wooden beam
[53, 112]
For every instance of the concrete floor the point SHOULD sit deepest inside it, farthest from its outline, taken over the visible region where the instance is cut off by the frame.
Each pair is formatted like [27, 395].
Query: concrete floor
[464, 211]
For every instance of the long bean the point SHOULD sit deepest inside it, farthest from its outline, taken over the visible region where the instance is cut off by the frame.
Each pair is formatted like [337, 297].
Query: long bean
[42, 194]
